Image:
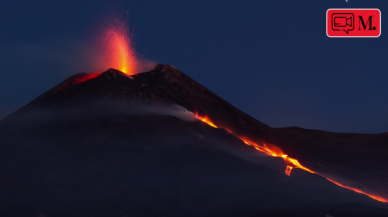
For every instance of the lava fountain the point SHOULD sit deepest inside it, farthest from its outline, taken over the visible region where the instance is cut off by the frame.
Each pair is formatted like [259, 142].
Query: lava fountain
[122, 53]
[118, 47]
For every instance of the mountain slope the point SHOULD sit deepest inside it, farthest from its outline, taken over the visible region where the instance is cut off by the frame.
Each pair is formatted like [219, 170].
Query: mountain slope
[109, 144]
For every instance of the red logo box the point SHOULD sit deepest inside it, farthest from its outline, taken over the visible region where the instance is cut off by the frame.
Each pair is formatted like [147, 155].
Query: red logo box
[347, 23]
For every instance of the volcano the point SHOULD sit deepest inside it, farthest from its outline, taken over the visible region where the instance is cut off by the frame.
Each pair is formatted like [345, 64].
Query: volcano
[160, 144]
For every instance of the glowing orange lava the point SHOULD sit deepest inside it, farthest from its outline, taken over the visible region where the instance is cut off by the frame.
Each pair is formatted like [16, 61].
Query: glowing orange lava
[117, 47]
[275, 151]
[206, 119]
[122, 56]
[85, 78]
[288, 170]
[376, 197]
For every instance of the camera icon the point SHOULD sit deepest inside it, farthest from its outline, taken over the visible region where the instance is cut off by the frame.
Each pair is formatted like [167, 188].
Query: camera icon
[343, 22]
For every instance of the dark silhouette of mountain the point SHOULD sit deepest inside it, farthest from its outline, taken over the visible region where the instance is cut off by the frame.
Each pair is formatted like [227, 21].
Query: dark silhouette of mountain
[109, 144]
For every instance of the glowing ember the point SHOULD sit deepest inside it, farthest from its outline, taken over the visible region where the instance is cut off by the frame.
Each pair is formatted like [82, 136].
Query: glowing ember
[85, 78]
[288, 170]
[275, 151]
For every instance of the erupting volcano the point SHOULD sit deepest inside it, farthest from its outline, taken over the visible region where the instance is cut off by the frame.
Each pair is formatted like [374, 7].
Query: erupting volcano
[121, 51]
[117, 47]
[160, 144]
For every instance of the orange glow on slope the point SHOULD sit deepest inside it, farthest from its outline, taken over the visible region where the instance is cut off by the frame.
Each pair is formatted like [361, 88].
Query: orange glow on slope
[275, 151]
[271, 150]
[296, 164]
[85, 78]
[376, 197]
[206, 119]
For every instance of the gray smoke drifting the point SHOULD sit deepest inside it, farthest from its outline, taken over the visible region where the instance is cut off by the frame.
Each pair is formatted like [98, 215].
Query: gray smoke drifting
[167, 109]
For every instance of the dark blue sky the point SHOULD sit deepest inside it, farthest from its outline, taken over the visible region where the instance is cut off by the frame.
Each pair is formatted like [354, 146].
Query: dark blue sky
[271, 59]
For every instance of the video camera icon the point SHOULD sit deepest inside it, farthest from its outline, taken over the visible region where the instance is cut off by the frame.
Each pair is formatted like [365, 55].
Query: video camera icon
[343, 22]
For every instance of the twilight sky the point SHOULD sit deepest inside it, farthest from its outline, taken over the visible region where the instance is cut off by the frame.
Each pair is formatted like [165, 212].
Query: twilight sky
[271, 59]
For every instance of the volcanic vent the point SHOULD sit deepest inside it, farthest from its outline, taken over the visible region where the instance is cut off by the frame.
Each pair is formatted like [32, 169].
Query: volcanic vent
[114, 144]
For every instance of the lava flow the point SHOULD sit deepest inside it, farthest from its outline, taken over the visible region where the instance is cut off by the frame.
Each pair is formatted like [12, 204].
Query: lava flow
[85, 78]
[275, 151]
[205, 119]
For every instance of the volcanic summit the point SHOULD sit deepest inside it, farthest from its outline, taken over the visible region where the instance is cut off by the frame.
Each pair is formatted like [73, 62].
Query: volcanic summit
[160, 144]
